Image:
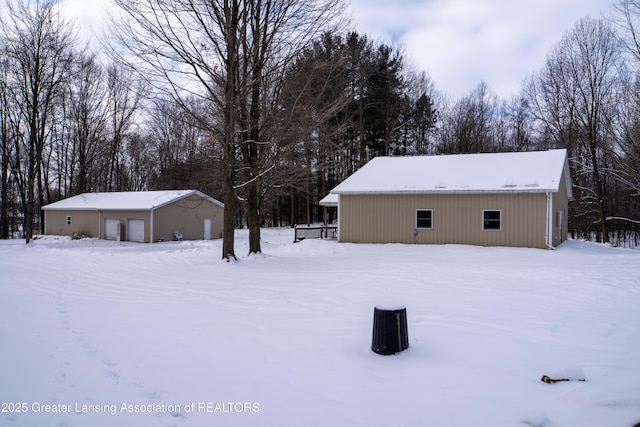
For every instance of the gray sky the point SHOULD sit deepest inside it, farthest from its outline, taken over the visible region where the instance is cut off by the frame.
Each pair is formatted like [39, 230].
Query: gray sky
[457, 42]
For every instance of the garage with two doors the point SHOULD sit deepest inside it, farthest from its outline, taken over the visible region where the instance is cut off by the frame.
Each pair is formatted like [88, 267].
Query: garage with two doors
[137, 216]
[133, 230]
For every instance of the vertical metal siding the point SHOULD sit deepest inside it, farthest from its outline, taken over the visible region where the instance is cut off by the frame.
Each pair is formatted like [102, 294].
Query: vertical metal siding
[457, 218]
[82, 222]
[187, 215]
[561, 204]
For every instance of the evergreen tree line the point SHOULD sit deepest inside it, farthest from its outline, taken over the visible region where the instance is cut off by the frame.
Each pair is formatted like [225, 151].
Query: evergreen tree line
[267, 105]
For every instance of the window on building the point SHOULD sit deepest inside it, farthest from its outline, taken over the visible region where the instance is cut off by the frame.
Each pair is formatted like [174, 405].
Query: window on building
[424, 218]
[68, 220]
[491, 220]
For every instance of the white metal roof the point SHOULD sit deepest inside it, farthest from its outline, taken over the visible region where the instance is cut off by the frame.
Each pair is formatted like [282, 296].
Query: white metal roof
[126, 200]
[533, 171]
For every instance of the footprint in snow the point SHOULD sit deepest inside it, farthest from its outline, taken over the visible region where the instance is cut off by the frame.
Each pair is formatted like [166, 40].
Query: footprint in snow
[537, 421]
[115, 376]
[109, 363]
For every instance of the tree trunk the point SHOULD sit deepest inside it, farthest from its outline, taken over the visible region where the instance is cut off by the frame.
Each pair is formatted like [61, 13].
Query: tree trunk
[4, 182]
[27, 221]
[228, 231]
[231, 20]
[600, 194]
[253, 219]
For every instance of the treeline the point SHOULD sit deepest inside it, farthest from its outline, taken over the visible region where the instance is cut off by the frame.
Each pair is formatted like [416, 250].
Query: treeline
[267, 105]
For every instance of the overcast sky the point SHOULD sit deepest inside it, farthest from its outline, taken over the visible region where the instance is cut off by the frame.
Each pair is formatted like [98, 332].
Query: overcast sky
[457, 42]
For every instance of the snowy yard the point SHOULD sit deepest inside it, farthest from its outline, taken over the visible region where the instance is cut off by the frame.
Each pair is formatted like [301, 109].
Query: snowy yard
[97, 333]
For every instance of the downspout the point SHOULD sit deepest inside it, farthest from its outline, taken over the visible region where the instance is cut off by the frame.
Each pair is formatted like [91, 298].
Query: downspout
[549, 235]
[151, 230]
[99, 223]
[338, 219]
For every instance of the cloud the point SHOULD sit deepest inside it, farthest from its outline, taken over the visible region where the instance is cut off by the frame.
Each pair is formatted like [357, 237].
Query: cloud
[462, 42]
[459, 43]
[88, 15]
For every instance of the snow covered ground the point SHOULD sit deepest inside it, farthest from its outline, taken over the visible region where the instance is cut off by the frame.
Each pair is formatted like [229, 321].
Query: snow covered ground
[97, 333]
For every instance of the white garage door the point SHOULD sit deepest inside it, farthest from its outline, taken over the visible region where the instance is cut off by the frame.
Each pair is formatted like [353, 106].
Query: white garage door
[111, 228]
[135, 230]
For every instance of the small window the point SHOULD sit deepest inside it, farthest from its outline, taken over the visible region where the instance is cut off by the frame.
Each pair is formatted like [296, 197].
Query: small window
[68, 220]
[492, 220]
[424, 218]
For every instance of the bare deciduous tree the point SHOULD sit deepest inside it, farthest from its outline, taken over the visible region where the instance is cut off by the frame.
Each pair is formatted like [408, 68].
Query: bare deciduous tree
[5, 148]
[231, 54]
[38, 45]
[87, 113]
[467, 125]
[575, 97]
[628, 20]
[124, 97]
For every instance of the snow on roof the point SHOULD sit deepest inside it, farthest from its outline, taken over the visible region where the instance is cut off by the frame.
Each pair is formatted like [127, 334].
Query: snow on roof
[533, 171]
[126, 200]
[330, 199]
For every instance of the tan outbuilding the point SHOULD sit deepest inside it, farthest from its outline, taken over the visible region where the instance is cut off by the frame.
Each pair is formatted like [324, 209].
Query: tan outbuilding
[138, 216]
[489, 199]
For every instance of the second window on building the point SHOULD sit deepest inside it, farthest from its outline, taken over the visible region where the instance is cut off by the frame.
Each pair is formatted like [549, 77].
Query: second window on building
[424, 218]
